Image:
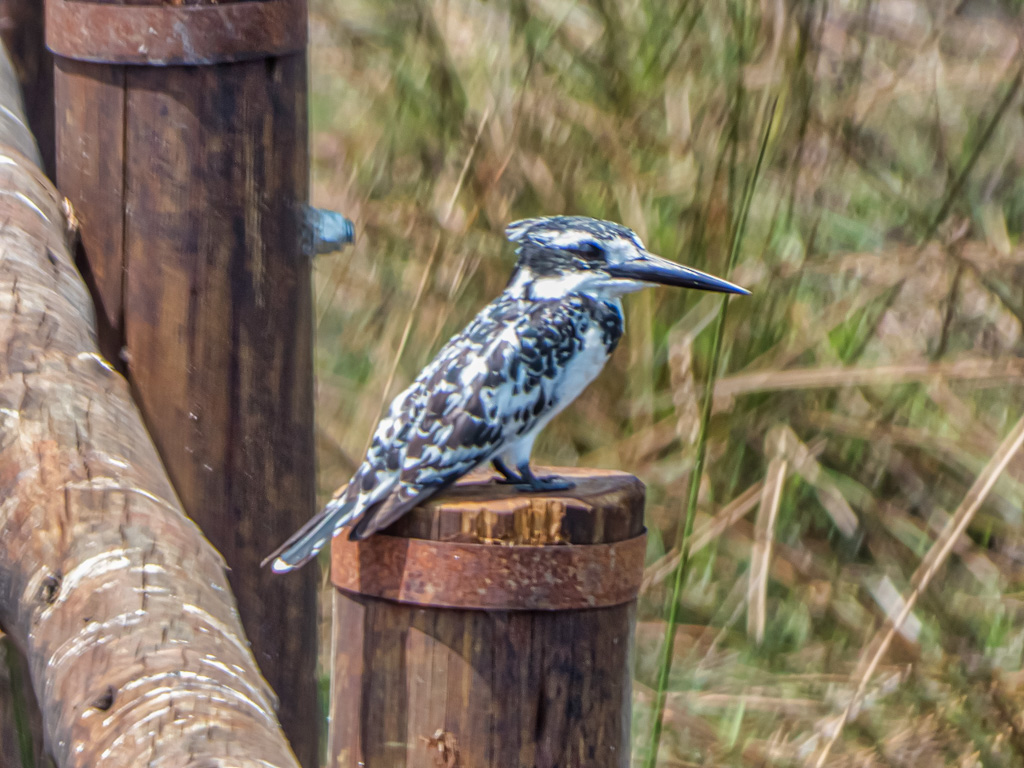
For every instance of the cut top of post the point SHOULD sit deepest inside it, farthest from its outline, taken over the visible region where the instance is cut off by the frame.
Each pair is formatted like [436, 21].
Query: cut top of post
[166, 34]
[488, 546]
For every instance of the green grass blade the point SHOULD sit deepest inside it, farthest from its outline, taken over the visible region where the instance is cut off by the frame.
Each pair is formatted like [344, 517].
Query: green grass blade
[665, 662]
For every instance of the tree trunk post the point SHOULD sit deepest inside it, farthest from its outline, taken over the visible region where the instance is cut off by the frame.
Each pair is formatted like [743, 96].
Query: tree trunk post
[182, 145]
[488, 629]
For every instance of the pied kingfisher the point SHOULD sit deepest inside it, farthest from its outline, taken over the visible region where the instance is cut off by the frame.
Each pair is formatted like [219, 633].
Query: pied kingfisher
[497, 384]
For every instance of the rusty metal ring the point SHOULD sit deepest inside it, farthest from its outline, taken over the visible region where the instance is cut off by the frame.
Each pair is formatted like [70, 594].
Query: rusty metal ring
[490, 576]
[160, 35]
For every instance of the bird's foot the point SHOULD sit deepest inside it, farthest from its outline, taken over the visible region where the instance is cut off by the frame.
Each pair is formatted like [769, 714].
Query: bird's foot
[508, 477]
[530, 482]
[547, 483]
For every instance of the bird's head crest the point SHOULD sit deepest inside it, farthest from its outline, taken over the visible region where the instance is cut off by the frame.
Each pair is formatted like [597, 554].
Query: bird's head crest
[559, 255]
[570, 233]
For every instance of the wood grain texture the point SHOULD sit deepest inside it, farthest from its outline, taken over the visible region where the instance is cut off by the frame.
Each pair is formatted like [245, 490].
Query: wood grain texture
[605, 506]
[166, 34]
[21, 29]
[422, 686]
[90, 172]
[120, 605]
[215, 312]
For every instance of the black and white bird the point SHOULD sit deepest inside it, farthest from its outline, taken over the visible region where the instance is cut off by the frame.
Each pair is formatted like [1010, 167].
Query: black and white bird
[493, 387]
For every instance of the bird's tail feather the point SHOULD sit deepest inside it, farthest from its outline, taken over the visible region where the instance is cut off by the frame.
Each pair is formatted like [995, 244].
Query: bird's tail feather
[306, 543]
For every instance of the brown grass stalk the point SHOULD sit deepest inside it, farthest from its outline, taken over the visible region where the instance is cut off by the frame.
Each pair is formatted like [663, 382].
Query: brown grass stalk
[761, 552]
[726, 517]
[966, 369]
[929, 566]
[806, 465]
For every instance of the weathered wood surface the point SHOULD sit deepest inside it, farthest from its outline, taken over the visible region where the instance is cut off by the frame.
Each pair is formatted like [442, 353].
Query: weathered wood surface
[21, 29]
[189, 182]
[423, 687]
[196, 32]
[122, 608]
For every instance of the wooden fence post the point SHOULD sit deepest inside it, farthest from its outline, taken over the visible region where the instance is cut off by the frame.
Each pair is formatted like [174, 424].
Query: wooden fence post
[488, 630]
[181, 143]
[119, 604]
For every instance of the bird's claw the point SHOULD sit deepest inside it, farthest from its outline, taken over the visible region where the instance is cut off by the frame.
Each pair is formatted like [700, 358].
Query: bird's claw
[534, 484]
[525, 480]
[508, 477]
[548, 483]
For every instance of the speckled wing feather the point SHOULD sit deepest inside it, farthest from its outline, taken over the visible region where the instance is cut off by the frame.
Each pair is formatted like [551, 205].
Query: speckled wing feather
[487, 387]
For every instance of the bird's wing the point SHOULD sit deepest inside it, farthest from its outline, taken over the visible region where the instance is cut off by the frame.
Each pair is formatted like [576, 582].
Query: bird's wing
[443, 425]
[432, 464]
[369, 487]
[459, 420]
[489, 386]
[451, 439]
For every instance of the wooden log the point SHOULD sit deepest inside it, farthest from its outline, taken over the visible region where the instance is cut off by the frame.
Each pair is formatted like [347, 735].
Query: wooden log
[122, 608]
[187, 165]
[21, 29]
[498, 632]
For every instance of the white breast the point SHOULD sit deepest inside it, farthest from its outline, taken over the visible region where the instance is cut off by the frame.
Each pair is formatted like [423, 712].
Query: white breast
[577, 374]
[582, 369]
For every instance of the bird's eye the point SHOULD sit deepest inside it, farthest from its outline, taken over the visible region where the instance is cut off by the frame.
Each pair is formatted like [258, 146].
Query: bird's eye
[589, 250]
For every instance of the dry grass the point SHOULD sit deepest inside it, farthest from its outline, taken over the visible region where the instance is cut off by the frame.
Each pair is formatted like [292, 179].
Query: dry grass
[870, 612]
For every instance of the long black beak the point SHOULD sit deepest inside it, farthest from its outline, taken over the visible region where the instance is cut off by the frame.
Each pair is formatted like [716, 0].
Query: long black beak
[654, 269]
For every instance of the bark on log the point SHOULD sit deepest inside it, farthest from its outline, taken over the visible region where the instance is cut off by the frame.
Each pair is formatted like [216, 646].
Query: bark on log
[122, 608]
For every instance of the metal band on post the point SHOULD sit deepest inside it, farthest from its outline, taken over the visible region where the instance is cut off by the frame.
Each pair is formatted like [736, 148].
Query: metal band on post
[490, 576]
[175, 34]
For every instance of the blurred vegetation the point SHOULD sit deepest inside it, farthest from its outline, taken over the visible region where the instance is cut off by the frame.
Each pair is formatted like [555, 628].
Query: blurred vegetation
[854, 595]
